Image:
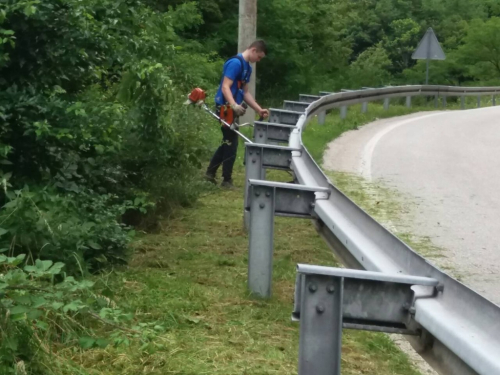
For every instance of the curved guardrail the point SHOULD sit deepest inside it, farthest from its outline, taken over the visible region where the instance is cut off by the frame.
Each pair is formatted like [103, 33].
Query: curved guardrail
[460, 328]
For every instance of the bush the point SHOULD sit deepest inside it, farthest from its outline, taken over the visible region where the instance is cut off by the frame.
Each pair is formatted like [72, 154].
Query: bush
[39, 317]
[93, 125]
[81, 230]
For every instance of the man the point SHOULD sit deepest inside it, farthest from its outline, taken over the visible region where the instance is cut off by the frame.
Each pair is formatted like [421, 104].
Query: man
[233, 90]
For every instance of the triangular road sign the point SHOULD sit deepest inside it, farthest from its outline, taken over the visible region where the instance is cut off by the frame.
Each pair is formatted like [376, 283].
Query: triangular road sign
[429, 48]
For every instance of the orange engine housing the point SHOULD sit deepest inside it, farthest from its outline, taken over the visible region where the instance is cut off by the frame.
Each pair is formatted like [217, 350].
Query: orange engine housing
[197, 95]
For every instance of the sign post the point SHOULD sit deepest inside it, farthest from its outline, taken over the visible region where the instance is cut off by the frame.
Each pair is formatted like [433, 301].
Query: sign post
[429, 49]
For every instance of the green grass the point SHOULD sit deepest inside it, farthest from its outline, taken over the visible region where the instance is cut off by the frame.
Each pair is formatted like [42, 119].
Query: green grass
[190, 279]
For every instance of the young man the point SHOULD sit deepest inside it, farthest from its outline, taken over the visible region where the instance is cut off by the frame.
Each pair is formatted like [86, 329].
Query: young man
[233, 90]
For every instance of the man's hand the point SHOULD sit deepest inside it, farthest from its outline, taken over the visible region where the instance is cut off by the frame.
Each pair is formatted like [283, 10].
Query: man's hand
[234, 126]
[264, 113]
[238, 109]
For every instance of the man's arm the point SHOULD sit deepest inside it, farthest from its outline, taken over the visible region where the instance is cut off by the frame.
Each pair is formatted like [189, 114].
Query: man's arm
[226, 91]
[249, 99]
[228, 95]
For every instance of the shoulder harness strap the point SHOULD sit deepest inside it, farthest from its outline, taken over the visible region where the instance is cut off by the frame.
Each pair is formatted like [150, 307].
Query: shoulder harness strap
[242, 61]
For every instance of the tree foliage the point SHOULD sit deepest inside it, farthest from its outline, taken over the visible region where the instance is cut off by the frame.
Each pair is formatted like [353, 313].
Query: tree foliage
[481, 49]
[93, 129]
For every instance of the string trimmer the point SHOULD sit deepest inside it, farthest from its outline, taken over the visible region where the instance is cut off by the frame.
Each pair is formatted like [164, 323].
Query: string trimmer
[197, 97]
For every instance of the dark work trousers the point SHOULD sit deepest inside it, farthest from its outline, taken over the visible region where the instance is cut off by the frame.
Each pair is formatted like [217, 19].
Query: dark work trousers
[225, 154]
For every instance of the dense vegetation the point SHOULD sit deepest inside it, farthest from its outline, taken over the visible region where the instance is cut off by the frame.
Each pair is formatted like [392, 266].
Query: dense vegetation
[333, 44]
[94, 140]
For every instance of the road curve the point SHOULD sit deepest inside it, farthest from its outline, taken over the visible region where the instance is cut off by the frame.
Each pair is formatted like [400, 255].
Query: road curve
[450, 162]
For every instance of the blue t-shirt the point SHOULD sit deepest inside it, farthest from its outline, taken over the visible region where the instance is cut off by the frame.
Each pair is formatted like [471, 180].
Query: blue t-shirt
[232, 70]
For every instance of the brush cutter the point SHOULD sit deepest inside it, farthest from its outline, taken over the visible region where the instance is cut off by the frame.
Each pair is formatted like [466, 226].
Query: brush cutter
[197, 97]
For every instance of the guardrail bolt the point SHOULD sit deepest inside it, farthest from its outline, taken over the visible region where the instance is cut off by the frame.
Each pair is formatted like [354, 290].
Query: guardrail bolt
[320, 308]
[440, 288]
[261, 135]
[258, 152]
[257, 193]
[262, 205]
[330, 289]
[268, 194]
[406, 306]
[289, 160]
[313, 288]
[254, 161]
[313, 204]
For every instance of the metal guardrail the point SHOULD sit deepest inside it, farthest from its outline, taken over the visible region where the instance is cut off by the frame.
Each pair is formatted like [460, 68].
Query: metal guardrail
[459, 329]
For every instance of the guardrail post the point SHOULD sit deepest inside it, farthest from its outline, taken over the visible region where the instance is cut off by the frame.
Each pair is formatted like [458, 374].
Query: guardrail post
[493, 100]
[364, 107]
[266, 199]
[322, 118]
[386, 103]
[260, 134]
[260, 254]
[343, 112]
[408, 101]
[436, 100]
[320, 325]
[282, 116]
[462, 102]
[258, 157]
[308, 98]
[444, 101]
[266, 132]
[479, 101]
[290, 105]
[329, 299]
[254, 171]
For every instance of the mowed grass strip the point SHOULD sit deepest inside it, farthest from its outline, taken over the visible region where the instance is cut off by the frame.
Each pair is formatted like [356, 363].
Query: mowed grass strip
[190, 279]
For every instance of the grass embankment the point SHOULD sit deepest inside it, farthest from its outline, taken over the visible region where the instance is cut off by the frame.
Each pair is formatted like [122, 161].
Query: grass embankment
[190, 280]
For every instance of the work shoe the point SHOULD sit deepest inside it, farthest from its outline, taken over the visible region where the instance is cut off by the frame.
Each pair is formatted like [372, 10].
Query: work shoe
[228, 184]
[210, 178]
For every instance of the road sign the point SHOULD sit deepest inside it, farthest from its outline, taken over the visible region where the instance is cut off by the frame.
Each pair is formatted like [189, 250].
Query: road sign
[429, 49]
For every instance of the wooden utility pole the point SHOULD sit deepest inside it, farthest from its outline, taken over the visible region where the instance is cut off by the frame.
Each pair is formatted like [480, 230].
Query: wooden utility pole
[247, 33]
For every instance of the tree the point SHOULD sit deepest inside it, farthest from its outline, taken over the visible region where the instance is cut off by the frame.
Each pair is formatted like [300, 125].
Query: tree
[370, 68]
[305, 43]
[400, 46]
[481, 49]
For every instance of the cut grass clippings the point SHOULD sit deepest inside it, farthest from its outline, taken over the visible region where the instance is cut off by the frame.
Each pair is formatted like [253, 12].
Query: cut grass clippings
[191, 281]
[393, 210]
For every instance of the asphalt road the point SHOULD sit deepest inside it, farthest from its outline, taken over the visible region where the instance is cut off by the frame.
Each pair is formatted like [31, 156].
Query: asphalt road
[449, 161]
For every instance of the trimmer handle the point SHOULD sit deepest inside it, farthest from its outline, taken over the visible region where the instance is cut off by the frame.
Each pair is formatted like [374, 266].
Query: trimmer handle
[245, 105]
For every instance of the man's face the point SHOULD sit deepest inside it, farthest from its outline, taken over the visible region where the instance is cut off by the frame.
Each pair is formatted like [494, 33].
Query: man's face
[256, 56]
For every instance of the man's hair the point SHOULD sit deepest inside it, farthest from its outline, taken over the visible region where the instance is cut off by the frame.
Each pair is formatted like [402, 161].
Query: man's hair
[259, 45]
